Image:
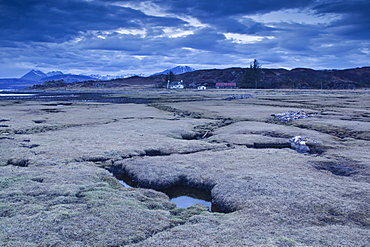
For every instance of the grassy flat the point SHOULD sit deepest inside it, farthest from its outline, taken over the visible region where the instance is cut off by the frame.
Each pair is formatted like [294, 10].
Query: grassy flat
[56, 190]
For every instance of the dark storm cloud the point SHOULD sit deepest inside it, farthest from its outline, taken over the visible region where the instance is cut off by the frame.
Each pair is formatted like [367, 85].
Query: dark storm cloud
[231, 25]
[58, 21]
[355, 21]
[221, 14]
[128, 43]
[298, 37]
[221, 8]
[142, 36]
[205, 39]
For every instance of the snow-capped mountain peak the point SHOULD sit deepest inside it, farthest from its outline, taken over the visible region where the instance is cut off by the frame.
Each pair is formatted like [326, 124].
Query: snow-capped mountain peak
[176, 70]
[52, 73]
[34, 75]
[110, 77]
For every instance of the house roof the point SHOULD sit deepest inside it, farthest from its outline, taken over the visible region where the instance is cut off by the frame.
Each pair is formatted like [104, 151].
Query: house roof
[226, 84]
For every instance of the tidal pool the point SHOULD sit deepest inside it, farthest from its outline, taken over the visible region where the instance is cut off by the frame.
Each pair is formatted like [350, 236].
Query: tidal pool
[185, 196]
[182, 196]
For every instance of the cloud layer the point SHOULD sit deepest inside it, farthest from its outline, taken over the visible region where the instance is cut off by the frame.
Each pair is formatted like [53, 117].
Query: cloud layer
[119, 37]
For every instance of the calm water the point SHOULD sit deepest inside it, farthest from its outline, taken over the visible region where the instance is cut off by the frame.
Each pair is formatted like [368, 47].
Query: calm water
[15, 94]
[182, 196]
[187, 201]
[185, 197]
[67, 96]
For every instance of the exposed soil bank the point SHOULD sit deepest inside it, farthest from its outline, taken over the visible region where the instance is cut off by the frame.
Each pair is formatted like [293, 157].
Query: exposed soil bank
[182, 196]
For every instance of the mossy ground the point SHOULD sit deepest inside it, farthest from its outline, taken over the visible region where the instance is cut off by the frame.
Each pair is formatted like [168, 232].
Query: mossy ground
[54, 190]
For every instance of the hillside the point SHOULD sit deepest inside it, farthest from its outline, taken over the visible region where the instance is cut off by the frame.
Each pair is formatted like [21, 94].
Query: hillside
[15, 83]
[68, 78]
[299, 78]
[37, 77]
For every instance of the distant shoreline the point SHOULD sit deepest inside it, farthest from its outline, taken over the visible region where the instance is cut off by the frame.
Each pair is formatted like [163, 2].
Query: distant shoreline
[68, 96]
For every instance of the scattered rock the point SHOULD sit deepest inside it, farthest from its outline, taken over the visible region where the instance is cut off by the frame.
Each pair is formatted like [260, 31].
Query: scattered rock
[299, 144]
[290, 115]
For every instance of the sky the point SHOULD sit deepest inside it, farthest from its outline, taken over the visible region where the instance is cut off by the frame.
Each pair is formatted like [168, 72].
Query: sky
[113, 37]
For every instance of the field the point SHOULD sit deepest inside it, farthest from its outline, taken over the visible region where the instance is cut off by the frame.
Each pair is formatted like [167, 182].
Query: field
[57, 188]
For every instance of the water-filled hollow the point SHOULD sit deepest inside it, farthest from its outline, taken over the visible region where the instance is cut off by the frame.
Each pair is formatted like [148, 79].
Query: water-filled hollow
[182, 196]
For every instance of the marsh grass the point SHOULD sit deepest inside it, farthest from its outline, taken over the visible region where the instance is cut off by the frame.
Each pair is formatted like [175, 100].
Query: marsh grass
[275, 196]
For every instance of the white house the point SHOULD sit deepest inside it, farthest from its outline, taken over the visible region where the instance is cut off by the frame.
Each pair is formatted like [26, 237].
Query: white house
[175, 85]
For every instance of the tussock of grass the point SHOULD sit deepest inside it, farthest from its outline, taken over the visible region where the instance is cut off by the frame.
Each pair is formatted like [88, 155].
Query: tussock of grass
[77, 205]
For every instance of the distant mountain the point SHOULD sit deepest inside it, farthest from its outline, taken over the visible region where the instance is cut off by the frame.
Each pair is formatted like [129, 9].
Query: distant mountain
[52, 73]
[299, 78]
[176, 70]
[68, 78]
[34, 75]
[110, 77]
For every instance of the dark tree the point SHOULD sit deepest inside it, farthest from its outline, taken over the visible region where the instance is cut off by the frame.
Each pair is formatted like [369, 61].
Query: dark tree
[170, 77]
[252, 76]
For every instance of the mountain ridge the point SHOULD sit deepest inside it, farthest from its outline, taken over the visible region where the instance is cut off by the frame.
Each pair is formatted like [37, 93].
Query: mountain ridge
[36, 77]
[297, 78]
[180, 69]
